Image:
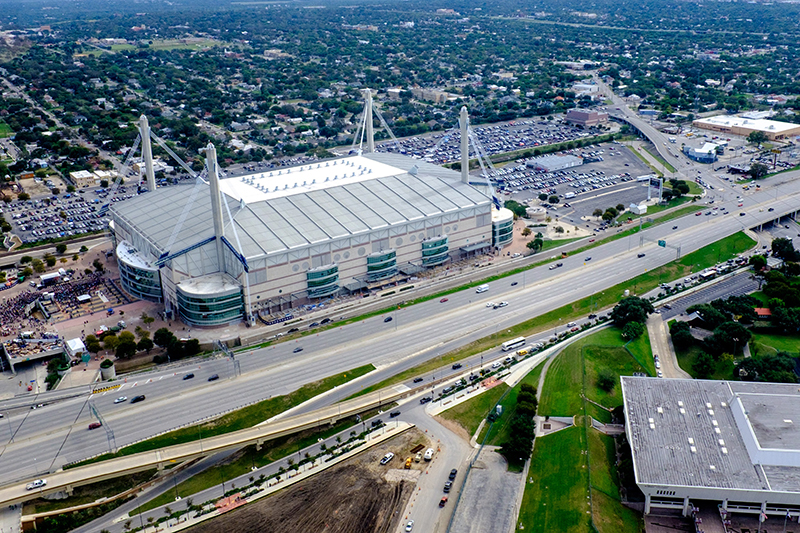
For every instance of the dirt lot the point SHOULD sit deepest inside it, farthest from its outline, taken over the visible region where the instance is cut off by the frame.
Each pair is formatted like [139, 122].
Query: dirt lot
[357, 496]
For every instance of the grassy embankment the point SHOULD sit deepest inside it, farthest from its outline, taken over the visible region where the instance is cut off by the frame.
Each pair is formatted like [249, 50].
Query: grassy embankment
[575, 487]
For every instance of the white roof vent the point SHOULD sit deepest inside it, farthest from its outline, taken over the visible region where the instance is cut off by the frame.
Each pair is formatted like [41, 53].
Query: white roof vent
[711, 412]
[693, 449]
[660, 411]
[708, 405]
[721, 442]
[683, 411]
[717, 431]
[712, 467]
[724, 450]
[680, 403]
[724, 404]
[691, 440]
[714, 423]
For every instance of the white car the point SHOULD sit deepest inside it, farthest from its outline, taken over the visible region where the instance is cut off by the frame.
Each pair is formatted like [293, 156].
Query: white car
[121, 399]
[490, 304]
[502, 304]
[36, 484]
[386, 458]
[410, 525]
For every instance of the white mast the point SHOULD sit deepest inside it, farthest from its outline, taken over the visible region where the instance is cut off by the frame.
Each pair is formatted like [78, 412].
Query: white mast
[147, 153]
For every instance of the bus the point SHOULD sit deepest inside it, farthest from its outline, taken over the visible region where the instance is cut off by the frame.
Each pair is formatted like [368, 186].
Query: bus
[513, 343]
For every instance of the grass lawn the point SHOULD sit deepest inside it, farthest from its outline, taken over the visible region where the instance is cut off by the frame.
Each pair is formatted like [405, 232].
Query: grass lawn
[499, 432]
[644, 160]
[469, 414]
[240, 419]
[660, 160]
[694, 188]
[761, 297]
[776, 343]
[556, 243]
[574, 484]
[643, 353]
[687, 357]
[556, 500]
[5, 129]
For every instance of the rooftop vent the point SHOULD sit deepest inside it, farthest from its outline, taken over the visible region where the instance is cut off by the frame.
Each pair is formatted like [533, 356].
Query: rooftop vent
[725, 450]
[691, 440]
[683, 411]
[680, 403]
[693, 449]
[721, 442]
[708, 405]
[712, 467]
[660, 411]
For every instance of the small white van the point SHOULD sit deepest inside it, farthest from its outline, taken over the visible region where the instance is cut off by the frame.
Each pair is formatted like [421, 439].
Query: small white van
[429, 454]
[482, 288]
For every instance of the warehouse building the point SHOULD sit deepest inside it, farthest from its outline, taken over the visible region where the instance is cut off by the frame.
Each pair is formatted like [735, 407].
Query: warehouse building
[730, 444]
[224, 250]
[586, 118]
[735, 125]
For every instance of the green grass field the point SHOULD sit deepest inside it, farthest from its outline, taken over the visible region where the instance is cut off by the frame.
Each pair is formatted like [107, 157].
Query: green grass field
[469, 414]
[240, 419]
[5, 130]
[776, 343]
[557, 499]
[573, 485]
[660, 159]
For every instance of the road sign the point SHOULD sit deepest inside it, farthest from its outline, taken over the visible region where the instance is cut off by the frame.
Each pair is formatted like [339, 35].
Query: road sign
[662, 243]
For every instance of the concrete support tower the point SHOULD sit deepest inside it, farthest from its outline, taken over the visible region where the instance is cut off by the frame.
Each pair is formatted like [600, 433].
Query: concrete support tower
[463, 121]
[216, 202]
[147, 153]
[368, 121]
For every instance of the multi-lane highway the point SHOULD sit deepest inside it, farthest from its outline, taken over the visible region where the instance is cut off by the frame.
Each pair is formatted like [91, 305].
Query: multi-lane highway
[49, 437]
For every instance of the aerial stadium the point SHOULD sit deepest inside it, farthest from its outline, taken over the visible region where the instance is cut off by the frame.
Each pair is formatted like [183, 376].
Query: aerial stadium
[226, 250]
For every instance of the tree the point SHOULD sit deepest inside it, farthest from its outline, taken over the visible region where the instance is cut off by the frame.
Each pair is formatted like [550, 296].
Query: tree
[606, 380]
[758, 262]
[38, 266]
[126, 336]
[110, 342]
[50, 259]
[125, 349]
[192, 347]
[147, 319]
[526, 232]
[681, 334]
[704, 365]
[517, 208]
[620, 208]
[535, 245]
[558, 229]
[162, 337]
[543, 197]
[23, 196]
[84, 249]
[145, 344]
[61, 248]
[712, 317]
[757, 137]
[597, 213]
[553, 199]
[758, 171]
[98, 266]
[27, 272]
[632, 330]
[25, 259]
[728, 337]
[784, 249]
[631, 309]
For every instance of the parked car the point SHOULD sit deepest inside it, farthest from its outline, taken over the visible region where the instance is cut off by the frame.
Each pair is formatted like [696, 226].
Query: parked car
[386, 458]
[394, 414]
[453, 474]
[443, 501]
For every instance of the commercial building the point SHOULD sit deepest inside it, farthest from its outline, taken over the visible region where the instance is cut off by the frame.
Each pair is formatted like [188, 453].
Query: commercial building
[83, 178]
[586, 118]
[705, 154]
[737, 125]
[730, 444]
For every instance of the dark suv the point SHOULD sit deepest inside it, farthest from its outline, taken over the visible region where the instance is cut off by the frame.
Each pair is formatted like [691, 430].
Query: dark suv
[137, 399]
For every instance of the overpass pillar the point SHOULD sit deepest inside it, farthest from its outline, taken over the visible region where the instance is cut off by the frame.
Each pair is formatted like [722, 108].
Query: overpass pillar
[259, 444]
[69, 490]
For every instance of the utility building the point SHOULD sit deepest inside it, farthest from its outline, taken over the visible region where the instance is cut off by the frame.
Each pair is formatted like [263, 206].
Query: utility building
[730, 444]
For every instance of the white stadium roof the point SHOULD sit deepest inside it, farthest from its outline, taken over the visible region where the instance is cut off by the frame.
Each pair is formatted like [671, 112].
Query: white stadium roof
[398, 190]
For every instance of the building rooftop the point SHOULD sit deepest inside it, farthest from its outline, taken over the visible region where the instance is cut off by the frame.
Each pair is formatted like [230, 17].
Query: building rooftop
[759, 124]
[714, 434]
[393, 190]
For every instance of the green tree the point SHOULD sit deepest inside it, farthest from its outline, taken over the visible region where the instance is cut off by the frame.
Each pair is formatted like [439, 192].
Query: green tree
[757, 137]
[110, 342]
[632, 330]
[23, 196]
[543, 197]
[535, 245]
[145, 344]
[681, 334]
[597, 213]
[526, 232]
[758, 171]
[631, 309]
[50, 259]
[552, 199]
[162, 337]
[25, 259]
[703, 366]
[61, 248]
[784, 249]
[38, 266]
[606, 379]
[728, 337]
[758, 262]
[126, 336]
[125, 349]
[192, 347]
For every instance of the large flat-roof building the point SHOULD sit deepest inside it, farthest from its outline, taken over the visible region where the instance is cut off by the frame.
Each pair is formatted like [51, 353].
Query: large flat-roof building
[734, 444]
[554, 162]
[586, 118]
[298, 234]
[736, 125]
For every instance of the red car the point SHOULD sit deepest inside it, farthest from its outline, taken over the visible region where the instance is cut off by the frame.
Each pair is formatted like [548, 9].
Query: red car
[576, 328]
[698, 214]
[591, 240]
[443, 501]
[443, 300]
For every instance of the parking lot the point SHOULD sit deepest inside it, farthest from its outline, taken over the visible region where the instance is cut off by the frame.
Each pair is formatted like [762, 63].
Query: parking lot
[445, 147]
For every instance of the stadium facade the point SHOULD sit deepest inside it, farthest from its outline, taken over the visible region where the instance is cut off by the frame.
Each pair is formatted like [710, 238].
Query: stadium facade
[224, 250]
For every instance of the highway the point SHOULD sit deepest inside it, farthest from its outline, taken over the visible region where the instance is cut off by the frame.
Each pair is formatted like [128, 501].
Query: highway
[58, 432]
